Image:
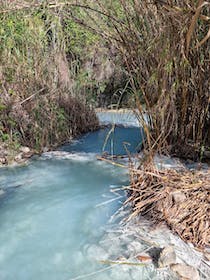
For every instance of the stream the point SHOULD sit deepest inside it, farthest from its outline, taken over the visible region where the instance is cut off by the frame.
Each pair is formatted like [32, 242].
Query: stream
[59, 213]
[54, 212]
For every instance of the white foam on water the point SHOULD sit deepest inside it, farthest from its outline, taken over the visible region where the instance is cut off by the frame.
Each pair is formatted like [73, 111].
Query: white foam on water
[127, 118]
[80, 157]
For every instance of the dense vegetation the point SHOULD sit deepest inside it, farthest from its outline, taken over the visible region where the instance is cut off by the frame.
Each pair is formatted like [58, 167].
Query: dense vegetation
[57, 56]
[41, 104]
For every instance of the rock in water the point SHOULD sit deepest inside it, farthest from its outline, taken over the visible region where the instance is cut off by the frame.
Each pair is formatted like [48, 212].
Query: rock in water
[19, 158]
[45, 150]
[25, 150]
[167, 257]
[27, 155]
[185, 272]
[3, 160]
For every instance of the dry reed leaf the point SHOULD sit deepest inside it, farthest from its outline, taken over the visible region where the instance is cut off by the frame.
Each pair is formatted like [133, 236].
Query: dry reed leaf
[201, 4]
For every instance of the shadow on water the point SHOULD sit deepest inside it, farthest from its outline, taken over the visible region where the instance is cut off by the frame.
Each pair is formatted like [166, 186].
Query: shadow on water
[112, 141]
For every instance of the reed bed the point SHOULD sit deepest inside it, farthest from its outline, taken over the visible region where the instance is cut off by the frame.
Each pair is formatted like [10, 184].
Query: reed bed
[40, 105]
[164, 46]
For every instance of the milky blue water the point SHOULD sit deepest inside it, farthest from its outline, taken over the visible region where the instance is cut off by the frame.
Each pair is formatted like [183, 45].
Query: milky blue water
[53, 212]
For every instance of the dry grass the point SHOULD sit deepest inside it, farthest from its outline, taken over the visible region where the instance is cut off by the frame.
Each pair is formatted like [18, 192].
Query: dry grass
[181, 199]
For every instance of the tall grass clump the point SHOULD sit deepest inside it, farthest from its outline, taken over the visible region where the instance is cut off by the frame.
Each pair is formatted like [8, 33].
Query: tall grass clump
[165, 46]
[39, 105]
[166, 50]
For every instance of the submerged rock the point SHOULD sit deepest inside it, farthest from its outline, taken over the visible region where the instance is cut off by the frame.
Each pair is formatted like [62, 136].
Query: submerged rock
[3, 161]
[25, 150]
[185, 272]
[167, 257]
[20, 158]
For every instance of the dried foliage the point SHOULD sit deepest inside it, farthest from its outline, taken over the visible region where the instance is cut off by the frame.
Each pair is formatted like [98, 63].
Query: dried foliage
[181, 199]
[47, 120]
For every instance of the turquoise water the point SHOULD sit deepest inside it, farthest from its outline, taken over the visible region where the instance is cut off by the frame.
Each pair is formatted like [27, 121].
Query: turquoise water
[117, 140]
[54, 214]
